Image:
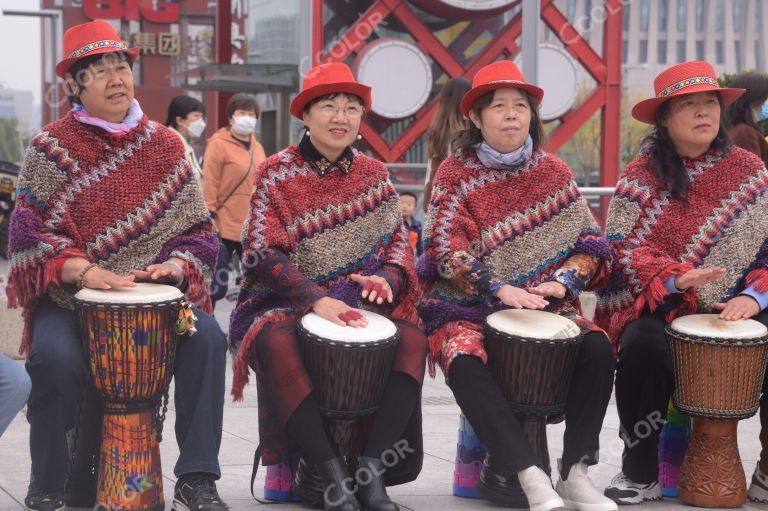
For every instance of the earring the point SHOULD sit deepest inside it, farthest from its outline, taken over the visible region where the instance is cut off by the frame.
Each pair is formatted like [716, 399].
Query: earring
[307, 133]
[359, 136]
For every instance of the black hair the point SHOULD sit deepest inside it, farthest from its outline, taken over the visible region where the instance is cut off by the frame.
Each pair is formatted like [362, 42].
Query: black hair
[410, 194]
[470, 137]
[182, 106]
[80, 66]
[243, 101]
[668, 166]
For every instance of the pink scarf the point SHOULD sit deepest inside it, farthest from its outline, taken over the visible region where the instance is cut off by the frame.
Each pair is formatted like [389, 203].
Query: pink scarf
[135, 114]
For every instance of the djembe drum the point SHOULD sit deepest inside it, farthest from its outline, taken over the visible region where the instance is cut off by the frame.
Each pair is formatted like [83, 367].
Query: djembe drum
[129, 337]
[349, 368]
[719, 367]
[532, 355]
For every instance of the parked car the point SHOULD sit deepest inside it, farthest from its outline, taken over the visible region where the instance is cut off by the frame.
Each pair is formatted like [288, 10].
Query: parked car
[9, 174]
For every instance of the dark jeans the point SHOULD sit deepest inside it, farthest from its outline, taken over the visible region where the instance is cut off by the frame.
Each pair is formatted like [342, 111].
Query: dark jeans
[645, 381]
[490, 415]
[59, 373]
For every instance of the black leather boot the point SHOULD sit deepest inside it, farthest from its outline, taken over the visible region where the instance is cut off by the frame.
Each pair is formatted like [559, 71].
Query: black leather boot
[371, 490]
[336, 491]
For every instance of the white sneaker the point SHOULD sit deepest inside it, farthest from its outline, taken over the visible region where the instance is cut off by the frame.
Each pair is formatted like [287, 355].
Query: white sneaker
[578, 492]
[623, 491]
[537, 487]
[758, 490]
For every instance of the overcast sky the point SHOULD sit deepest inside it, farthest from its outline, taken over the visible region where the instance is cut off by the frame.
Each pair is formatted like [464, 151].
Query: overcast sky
[20, 48]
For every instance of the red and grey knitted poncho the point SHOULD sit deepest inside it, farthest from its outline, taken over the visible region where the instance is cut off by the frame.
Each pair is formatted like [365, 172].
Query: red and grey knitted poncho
[724, 222]
[308, 230]
[520, 225]
[124, 202]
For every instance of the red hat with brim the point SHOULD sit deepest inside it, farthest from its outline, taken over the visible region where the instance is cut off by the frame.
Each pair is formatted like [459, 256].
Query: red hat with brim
[680, 80]
[331, 78]
[499, 75]
[89, 39]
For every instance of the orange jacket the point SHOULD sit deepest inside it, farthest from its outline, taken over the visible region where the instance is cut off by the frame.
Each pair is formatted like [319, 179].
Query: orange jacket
[224, 166]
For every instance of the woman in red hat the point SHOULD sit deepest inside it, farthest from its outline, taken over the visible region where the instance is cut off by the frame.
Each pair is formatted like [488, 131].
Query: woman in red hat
[507, 227]
[107, 198]
[325, 234]
[688, 225]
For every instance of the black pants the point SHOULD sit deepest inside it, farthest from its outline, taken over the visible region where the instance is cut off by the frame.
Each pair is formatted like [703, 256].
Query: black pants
[57, 367]
[645, 381]
[233, 246]
[490, 415]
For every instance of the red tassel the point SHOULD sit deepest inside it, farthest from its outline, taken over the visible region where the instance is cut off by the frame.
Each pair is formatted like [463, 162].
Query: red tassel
[198, 291]
[242, 362]
[759, 279]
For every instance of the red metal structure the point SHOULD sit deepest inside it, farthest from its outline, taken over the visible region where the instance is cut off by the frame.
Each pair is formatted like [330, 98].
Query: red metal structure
[605, 69]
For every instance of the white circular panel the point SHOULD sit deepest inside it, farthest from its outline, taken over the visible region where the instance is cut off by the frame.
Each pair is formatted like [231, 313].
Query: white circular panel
[400, 75]
[533, 324]
[710, 325]
[478, 5]
[144, 292]
[378, 328]
[558, 77]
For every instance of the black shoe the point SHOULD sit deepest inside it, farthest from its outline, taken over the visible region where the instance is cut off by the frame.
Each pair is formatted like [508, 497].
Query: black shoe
[37, 500]
[197, 493]
[500, 487]
[326, 486]
[371, 490]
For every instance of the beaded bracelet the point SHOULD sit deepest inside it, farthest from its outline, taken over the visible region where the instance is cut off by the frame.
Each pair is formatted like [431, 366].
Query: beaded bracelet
[81, 280]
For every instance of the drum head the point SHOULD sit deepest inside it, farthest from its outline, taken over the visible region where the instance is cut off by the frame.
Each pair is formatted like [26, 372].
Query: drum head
[710, 325]
[378, 328]
[144, 292]
[533, 324]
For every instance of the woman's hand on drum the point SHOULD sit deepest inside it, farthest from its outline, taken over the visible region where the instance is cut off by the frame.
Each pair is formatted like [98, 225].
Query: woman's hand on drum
[553, 289]
[738, 307]
[520, 298]
[698, 277]
[99, 278]
[338, 312]
[163, 272]
[375, 288]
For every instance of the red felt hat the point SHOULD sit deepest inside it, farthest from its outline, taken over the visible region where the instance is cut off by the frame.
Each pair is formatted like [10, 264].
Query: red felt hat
[89, 39]
[679, 80]
[499, 75]
[331, 78]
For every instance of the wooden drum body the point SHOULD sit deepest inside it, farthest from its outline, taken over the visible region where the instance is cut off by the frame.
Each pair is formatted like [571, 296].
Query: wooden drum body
[719, 367]
[129, 337]
[349, 368]
[532, 354]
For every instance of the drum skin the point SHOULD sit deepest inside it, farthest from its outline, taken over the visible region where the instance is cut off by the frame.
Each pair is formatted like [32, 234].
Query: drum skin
[718, 381]
[131, 351]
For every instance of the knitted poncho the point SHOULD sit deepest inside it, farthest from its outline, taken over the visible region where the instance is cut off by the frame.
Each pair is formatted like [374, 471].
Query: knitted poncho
[516, 225]
[724, 222]
[124, 202]
[306, 234]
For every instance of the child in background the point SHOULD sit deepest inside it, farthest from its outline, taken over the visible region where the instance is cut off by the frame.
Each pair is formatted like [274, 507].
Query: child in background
[408, 203]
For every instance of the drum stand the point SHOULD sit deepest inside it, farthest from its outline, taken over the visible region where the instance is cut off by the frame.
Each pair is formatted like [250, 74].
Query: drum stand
[712, 474]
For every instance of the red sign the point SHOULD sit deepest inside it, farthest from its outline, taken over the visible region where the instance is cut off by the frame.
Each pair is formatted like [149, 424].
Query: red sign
[132, 10]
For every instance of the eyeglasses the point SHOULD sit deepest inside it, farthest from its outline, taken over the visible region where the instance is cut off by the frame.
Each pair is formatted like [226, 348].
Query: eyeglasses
[332, 109]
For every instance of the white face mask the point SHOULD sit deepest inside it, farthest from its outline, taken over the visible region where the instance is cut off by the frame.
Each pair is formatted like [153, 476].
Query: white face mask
[196, 128]
[243, 124]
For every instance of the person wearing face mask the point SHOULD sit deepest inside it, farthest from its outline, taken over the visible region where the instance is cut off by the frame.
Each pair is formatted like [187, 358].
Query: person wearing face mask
[186, 118]
[747, 111]
[231, 158]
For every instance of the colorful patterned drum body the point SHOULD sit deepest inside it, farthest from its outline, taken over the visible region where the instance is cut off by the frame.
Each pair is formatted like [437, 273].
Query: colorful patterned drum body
[129, 336]
[719, 367]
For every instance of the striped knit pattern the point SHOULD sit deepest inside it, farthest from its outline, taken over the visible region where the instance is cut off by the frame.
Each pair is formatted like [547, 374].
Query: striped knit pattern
[329, 227]
[522, 223]
[724, 222]
[125, 202]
